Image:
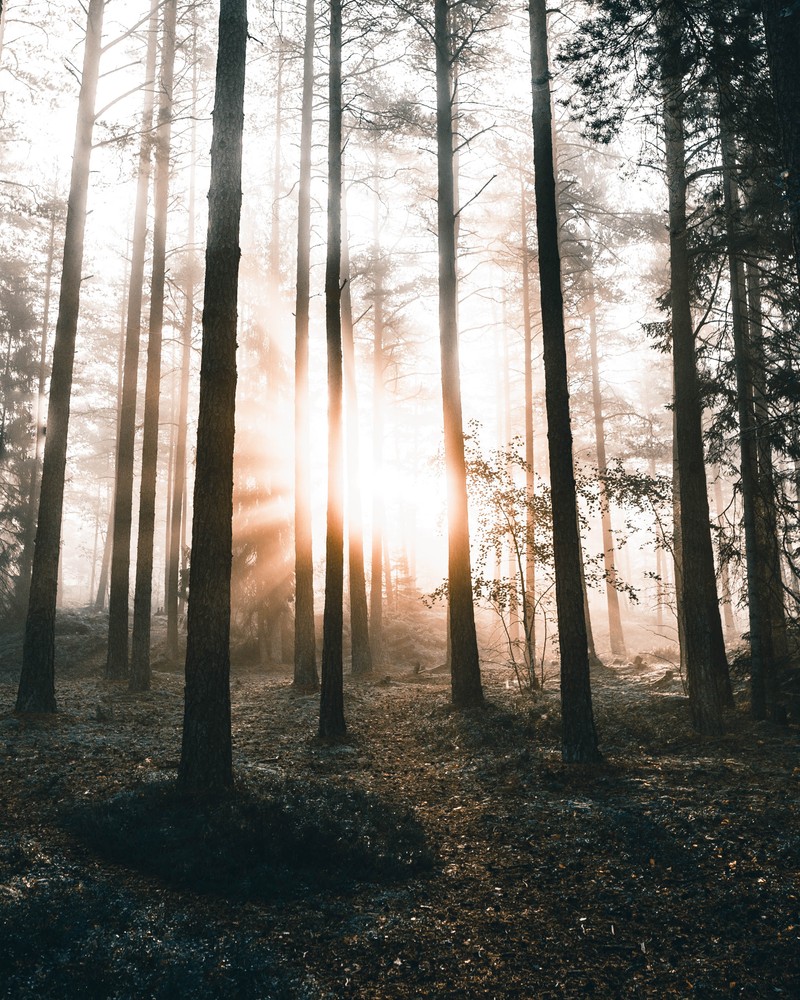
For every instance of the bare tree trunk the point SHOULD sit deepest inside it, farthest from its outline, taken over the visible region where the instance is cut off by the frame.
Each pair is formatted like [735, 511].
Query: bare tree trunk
[724, 574]
[331, 713]
[529, 605]
[178, 512]
[616, 635]
[579, 738]
[361, 655]
[305, 656]
[768, 517]
[24, 580]
[378, 406]
[142, 602]
[464, 662]
[706, 663]
[37, 680]
[206, 751]
[118, 600]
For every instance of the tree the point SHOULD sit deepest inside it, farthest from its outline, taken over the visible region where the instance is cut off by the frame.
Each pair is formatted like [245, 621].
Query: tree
[782, 26]
[37, 681]
[305, 656]
[579, 738]
[142, 602]
[331, 712]
[361, 654]
[118, 599]
[465, 665]
[205, 764]
[703, 643]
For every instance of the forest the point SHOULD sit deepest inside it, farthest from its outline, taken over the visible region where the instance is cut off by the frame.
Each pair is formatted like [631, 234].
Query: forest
[399, 499]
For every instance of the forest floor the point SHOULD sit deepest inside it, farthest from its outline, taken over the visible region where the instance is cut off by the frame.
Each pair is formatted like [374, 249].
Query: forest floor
[434, 854]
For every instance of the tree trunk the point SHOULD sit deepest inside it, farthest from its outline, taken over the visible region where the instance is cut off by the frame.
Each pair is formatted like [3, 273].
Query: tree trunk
[360, 653]
[37, 680]
[177, 514]
[205, 764]
[378, 406]
[769, 567]
[724, 575]
[118, 600]
[706, 664]
[782, 26]
[616, 635]
[464, 663]
[142, 601]
[529, 598]
[305, 655]
[331, 710]
[579, 738]
[24, 580]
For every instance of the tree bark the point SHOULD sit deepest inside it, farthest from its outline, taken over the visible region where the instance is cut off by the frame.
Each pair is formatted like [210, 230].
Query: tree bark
[24, 580]
[782, 27]
[118, 599]
[331, 712]
[206, 751]
[360, 651]
[579, 738]
[616, 634]
[378, 407]
[464, 663]
[305, 655]
[142, 601]
[706, 663]
[179, 485]
[36, 691]
[529, 597]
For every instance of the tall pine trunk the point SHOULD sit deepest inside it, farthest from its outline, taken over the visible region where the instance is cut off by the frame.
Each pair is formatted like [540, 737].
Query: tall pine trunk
[305, 655]
[704, 648]
[464, 663]
[579, 738]
[616, 635]
[142, 602]
[360, 652]
[118, 598]
[782, 27]
[36, 691]
[176, 516]
[331, 709]
[529, 597]
[378, 407]
[24, 579]
[206, 751]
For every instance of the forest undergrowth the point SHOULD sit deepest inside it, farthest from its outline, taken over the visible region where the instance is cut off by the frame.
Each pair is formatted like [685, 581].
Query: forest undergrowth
[433, 854]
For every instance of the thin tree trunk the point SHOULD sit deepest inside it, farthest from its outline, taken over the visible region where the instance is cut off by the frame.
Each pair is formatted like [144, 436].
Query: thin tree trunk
[331, 712]
[579, 738]
[178, 510]
[378, 406]
[360, 652]
[724, 574]
[305, 655]
[118, 600]
[206, 750]
[142, 602]
[706, 664]
[464, 662]
[24, 580]
[36, 691]
[616, 634]
[529, 606]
